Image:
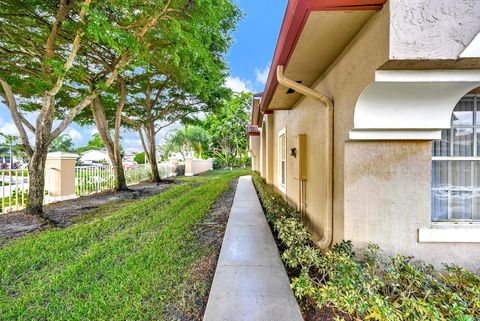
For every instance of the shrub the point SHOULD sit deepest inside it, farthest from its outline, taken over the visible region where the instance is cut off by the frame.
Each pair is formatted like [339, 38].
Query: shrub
[180, 170]
[370, 288]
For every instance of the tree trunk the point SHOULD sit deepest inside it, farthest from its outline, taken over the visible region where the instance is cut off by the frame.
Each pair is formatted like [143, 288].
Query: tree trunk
[120, 180]
[113, 152]
[36, 186]
[156, 178]
[152, 153]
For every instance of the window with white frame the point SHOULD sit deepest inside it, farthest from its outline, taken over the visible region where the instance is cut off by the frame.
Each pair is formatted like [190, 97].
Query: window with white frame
[282, 159]
[456, 166]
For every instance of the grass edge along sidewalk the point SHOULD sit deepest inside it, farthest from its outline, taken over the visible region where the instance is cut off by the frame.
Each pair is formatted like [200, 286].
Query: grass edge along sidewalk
[126, 266]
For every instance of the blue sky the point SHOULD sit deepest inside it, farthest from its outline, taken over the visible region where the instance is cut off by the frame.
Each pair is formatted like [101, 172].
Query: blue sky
[249, 60]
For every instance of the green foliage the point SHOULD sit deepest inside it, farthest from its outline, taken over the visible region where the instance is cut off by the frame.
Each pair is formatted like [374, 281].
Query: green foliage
[95, 143]
[125, 264]
[188, 140]
[62, 143]
[16, 148]
[139, 158]
[227, 127]
[370, 287]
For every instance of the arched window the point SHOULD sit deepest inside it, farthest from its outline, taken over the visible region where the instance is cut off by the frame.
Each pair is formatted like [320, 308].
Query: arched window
[456, 166]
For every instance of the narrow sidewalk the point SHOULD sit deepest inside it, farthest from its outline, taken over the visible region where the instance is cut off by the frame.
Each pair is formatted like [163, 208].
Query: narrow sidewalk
[250, 281]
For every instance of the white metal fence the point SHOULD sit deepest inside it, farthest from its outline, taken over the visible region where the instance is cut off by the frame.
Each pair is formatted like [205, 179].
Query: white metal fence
[88, 180]
[94, 179]
[14, 189]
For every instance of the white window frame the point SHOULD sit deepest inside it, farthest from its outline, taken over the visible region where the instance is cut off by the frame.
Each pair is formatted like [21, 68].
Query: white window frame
[282, 157]
[455, 231]
[476, 123]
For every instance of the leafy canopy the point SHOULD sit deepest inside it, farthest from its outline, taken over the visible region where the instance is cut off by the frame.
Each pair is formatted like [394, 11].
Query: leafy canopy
[227, 129]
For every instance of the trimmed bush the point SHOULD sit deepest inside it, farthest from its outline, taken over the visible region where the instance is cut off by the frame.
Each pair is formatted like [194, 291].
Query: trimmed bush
[370, 288]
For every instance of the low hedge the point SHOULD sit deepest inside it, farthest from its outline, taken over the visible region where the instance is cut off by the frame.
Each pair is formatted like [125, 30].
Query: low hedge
[370, 288]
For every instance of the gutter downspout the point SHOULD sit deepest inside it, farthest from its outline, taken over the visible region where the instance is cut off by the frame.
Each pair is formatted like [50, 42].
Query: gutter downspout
[325, 242]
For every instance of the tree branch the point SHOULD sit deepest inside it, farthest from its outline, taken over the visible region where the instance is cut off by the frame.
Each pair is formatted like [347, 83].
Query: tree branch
[75, 47]
[71, 115]
[142, 140]
[17, 118]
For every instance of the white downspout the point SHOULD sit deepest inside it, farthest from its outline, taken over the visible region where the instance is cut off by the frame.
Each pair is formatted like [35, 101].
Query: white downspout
[325, 242]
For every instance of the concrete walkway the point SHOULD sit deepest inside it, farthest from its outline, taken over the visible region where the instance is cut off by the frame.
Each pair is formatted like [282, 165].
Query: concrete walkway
[250, 281]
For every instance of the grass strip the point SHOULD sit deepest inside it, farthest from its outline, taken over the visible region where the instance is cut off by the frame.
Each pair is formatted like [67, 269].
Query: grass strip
[126, 266]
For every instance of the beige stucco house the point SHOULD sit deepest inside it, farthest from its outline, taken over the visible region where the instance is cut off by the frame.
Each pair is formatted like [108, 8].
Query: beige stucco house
[370, 124]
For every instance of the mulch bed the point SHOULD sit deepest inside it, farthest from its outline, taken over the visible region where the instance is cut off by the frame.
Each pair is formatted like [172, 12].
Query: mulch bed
[193, 298]
[66, 213]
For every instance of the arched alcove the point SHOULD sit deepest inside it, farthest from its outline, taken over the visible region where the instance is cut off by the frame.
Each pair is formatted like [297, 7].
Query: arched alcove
[412, 105]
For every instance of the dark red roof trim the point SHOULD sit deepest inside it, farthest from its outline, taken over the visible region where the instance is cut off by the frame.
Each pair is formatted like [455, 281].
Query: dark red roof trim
[253, 130]
[296, 15]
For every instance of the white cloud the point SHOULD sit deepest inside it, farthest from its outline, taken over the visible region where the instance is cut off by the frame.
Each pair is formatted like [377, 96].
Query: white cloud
[9, 129]
[132, 145]
[94, 131]
[77, 137]
[262, 74]
[238, 85]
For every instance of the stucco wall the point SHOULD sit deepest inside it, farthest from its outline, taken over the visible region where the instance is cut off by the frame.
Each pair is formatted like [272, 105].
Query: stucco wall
[371, 216]
[345, 80]
[270, 147]
[387, 199]
[263, 152]
[432, 29]
[254, 143]
[197, 166]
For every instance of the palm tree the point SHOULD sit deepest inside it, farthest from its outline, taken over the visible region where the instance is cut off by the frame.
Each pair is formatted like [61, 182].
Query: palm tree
[188, 140]
[12, 147]
[62, 143]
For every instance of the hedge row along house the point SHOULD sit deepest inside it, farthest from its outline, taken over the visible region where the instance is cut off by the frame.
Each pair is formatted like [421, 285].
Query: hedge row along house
[370, 124]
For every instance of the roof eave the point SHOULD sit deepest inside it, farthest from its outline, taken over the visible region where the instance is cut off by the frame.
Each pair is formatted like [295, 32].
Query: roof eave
[296, 15]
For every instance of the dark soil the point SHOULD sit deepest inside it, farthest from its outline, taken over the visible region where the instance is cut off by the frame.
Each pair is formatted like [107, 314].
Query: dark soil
[66, 213]
[193, 298]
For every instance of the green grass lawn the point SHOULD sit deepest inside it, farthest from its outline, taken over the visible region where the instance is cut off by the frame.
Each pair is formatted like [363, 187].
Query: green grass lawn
[125, 266]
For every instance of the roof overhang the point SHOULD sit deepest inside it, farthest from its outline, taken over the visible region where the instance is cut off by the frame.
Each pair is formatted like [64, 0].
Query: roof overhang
[313, 34]
[257, 115]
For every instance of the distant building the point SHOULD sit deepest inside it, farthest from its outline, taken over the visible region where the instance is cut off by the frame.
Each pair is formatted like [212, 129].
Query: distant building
[94, 156]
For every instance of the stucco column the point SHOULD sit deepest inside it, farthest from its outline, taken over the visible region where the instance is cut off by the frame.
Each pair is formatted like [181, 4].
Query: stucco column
[270, 152]
[188, 166]
[211, 163]
[60, 176]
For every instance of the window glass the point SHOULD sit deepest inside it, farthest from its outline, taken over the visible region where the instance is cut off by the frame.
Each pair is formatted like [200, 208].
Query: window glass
[462, 141]
[441, 147]
[463, 113]
[440, 190]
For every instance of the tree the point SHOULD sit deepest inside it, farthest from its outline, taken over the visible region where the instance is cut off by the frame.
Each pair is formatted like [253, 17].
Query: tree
[46, 54]
[188, 141]
[95, 143]
[12, 147]
[62, 143]
[140, 158]
[227, 129]
[185, 74]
